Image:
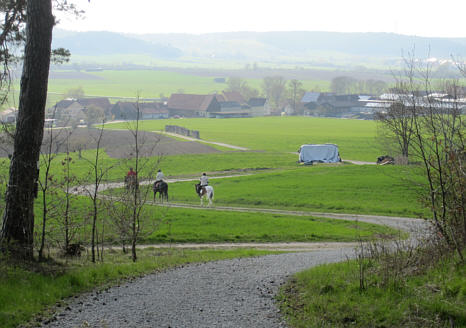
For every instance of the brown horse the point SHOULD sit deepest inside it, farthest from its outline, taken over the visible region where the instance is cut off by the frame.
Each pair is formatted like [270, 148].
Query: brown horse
[161, 187]
[131, 182]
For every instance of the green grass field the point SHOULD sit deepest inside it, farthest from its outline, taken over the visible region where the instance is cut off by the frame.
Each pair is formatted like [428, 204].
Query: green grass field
[184, 225]
[356, 139]
[174, 165]
[153, 83]
[382, 190]
[200, 226]
[143, 83]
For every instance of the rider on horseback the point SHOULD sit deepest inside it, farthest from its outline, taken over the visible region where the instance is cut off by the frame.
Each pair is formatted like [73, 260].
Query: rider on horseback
[131, 173]
[159, 177]
[204, 190]
[131, 179]
[204, 180]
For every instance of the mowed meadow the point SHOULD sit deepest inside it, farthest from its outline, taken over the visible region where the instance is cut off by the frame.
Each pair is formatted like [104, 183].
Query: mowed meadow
[147, 83]
[356, 139]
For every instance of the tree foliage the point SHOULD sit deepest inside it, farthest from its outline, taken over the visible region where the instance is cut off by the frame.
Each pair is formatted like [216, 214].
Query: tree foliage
[349, 85]
[428, 122]
[296, 93]
[274, 88]
[237, 84]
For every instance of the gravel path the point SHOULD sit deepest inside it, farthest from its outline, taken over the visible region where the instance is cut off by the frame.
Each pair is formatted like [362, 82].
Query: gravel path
[231, 293]
[201, 140]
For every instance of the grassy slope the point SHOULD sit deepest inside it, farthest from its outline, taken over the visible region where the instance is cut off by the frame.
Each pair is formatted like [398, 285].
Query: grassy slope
[355, 138]
[179, 225]
[329, 296]
[220, 226]
[365, 189]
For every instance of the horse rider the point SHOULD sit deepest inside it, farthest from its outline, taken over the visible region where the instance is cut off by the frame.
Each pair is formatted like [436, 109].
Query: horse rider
[204, 180]
[159, 177]
[131, 178]
[131, 173]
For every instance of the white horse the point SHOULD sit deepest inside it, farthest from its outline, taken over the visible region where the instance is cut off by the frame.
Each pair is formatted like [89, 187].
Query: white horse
[205, 192]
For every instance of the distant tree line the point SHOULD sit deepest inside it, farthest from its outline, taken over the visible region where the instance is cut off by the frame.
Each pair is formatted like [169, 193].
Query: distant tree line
[350, 85]
[276, 89]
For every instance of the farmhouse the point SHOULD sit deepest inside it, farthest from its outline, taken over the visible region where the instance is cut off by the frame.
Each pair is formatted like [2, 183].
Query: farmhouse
[232, 105]
[258, 107]
[190, 105]
[330, 104]
[128, 110]
[100, 102]
[9, 115]
[231, 96]
[76, 110]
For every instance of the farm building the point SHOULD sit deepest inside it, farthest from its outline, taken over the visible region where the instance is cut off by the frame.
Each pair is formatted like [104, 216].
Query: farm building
[326, 153]
[9, 115]
[75, 110]
[128, 110]
[258, 107]
[190, 105]
[231, 96]
[330, 104]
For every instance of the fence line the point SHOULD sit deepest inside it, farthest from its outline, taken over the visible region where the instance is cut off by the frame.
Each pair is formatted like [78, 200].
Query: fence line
[182, 131]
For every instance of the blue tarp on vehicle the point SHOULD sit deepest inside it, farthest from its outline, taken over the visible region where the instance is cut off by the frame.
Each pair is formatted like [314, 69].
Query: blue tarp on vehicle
[326, 153]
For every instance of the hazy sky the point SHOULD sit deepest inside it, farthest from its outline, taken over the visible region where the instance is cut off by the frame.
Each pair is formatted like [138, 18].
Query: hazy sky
[445, 18]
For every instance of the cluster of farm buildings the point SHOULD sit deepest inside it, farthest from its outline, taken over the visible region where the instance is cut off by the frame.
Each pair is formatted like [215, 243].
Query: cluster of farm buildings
[225, 105]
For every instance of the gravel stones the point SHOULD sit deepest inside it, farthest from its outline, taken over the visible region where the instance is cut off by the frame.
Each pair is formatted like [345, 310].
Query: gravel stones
[232, 293]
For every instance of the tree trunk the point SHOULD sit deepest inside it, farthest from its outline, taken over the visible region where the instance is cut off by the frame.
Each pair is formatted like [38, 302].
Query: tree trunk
[94, 224]
[18, 222]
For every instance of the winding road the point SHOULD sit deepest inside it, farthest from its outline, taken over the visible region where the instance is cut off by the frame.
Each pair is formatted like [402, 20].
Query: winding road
[231, 293]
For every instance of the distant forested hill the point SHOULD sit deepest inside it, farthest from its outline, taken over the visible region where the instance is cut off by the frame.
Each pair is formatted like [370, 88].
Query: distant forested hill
[289, 47]
[108, 43]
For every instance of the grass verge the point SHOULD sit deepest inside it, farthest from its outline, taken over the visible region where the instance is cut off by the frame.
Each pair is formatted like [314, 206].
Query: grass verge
[330, 296]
